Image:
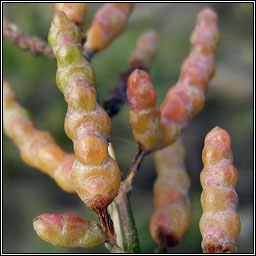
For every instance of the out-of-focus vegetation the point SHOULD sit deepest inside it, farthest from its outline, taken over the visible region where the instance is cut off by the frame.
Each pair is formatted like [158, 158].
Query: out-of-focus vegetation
[28, 193]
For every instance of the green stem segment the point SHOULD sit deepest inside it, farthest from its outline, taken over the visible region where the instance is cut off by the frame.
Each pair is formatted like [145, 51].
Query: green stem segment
[131, 241]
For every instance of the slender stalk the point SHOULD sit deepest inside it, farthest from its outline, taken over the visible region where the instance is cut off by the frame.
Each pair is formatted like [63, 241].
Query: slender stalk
[133, 169]
[131, 243]
[34, 44]
[117, 97]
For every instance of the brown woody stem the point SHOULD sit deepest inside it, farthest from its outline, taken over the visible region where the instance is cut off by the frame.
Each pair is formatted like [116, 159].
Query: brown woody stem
[131, 243]
[117, 97]
[107, 227]
[34, 44]
[133, 169]
[106, 223]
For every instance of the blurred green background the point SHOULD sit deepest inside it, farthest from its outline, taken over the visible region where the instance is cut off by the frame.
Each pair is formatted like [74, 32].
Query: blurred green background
[28, 193]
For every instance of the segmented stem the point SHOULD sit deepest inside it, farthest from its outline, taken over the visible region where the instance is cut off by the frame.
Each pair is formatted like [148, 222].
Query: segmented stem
[144, 115]
[68, 230]
[142, 58]
[34, 44]
[186, 98]
[171, 217]
[38, 148]
[108, 23]
[74, 11]
[95, 174]
[220, 224]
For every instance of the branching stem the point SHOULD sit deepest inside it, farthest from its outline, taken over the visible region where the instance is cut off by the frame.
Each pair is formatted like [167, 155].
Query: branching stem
[133, 169]
[131, 244]
[116, 99]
